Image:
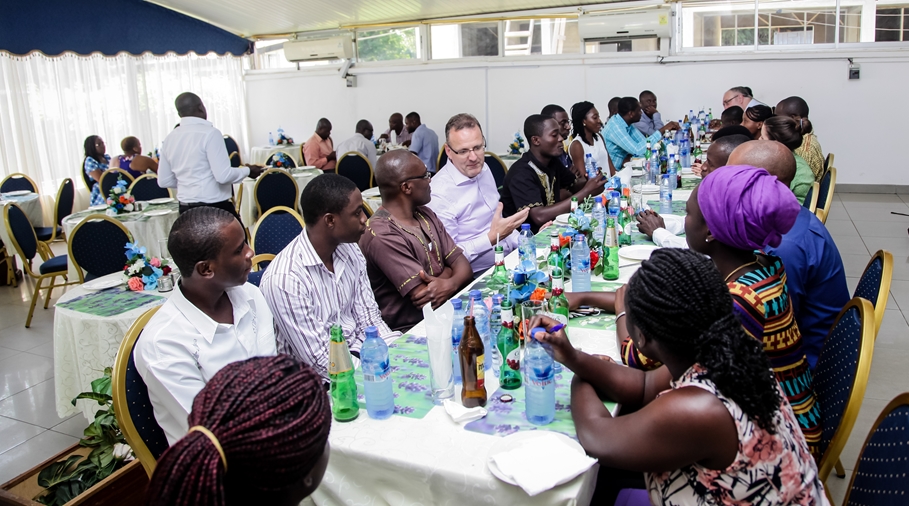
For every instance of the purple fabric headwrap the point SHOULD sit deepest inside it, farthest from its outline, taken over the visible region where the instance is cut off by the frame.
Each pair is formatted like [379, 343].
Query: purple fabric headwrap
[747, 208]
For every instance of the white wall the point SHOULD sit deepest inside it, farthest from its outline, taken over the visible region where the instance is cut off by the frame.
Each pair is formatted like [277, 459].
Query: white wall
[860, 121]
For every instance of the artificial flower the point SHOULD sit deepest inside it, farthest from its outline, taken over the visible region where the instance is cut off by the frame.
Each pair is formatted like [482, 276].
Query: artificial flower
[135, 284]
[128, 208]
[155, 262]
[151, 282]
[123, 452]
[133, 249]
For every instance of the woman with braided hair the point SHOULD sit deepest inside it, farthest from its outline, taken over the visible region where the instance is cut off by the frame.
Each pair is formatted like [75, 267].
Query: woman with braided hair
[265, 419]
[713, 426]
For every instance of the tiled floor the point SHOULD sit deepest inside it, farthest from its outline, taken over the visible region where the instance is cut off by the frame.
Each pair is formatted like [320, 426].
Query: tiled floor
[30, 430]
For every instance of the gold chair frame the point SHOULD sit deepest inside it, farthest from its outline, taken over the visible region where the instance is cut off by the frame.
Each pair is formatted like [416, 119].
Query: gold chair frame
[828, 161]
[238, 198]
[278, 209]
[261, 177]
[170, 191]
[57, 206]
[115, 172]
[504, 166]
[69, 241]
[830, 459]
[302, 157]
[898, 401]
[264, 257]
[883, 294]
[285, 153]
[812, 204]
[357, 153]
[368, 209]
[30, 180]
[823, 211]
[118, 388]
[439, 158]
[46, 254]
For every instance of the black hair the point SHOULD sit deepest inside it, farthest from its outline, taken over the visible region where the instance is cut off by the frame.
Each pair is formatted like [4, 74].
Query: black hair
[627, 104]
[412, 115]
[90, 151]
[197, 236]
[732, 116]
[759, 113]
[798, 106]
[578, 113]
[743, 91]
[784, 130]
[533, 125]
[728, 143]
[363, 124]
[678, 299]
[327, 193]
[731, 130]
[551, 109]
[646, 92]
[128, 144]
[323, 122]
[613, 104]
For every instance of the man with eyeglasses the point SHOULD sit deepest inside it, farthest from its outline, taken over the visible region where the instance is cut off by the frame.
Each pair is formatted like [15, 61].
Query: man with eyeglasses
[465, 198]
[538, 182]
[740, 96]
[423, 142]
[410, 257]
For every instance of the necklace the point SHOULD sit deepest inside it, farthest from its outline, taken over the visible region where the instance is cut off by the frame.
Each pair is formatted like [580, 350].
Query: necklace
[756, 261]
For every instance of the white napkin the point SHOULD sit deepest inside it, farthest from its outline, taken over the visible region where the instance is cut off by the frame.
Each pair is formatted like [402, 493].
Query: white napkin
[542, 463]
[460, 414]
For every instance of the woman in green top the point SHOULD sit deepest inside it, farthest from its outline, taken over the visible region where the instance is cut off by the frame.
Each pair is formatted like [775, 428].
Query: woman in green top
[786, 131]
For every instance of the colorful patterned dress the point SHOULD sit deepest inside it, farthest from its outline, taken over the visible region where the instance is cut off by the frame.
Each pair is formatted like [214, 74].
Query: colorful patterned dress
[768, 470]
[811, 151]
[92, 165]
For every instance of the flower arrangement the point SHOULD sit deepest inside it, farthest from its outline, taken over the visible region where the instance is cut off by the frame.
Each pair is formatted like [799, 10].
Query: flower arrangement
[283, 139]
[517, 145]
[280, 160]
[118, 200]
[581, 224]
[141, 272]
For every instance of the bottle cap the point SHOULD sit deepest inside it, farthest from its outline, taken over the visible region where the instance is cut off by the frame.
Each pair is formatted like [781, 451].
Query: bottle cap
[525, 226]
[475, 294]
[499, 248]
[372, 330]
[598, 200]
[614, 194]
[534, 331]
[497, 298]
[457, 303]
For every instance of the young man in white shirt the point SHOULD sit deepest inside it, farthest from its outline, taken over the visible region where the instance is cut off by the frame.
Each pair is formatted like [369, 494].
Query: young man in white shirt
[213, 318]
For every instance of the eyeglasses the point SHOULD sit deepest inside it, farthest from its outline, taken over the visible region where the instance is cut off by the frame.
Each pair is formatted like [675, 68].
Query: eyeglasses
[427, 175]
[726, 102]
[477, 150]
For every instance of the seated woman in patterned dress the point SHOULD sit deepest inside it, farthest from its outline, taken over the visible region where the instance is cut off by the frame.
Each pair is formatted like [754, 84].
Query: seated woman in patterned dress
[736, 211]
[712, 427]
[96, 162]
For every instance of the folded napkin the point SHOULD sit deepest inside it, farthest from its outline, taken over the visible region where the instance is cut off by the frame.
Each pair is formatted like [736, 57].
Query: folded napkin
[460, 414]
[542, 463]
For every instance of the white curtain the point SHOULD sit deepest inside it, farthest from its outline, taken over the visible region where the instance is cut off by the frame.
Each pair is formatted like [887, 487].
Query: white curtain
[49, 105]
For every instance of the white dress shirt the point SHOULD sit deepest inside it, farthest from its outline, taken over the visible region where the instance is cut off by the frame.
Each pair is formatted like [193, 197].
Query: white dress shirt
[668, 237]
[181, 349]
[359, 144]
[193, 160]
[466, 207]
[307, 299]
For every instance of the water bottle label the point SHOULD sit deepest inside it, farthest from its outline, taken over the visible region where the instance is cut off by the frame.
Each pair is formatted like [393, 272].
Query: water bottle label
[378, 377]
[540, 382]
[481, 371]
[339, 359]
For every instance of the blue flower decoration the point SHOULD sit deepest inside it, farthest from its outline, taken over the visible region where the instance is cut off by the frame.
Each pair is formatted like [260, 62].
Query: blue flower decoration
[157, 272]
[151, 282]
[121, 183]
[133, 249]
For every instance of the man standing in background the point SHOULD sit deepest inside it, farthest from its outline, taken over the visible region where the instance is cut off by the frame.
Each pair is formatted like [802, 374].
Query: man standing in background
[319, 150]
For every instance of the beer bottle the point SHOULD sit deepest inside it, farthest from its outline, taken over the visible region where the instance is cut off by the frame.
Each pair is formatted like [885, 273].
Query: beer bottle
[473, 368]
[344, 405]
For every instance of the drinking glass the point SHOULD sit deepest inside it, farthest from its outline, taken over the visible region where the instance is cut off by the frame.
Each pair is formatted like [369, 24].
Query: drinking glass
[163, 252]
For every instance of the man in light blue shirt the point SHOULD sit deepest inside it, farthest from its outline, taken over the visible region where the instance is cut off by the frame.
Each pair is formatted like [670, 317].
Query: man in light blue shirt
[651, 121]
[423, 142]
[623, 140]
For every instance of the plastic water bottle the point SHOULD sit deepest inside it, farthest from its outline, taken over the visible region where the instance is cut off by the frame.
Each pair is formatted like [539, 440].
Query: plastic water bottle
[380, 399]
[527, 250]
[590, 165]
[599, 214]
[580, 264]
[615, 203]
[539, 386]
[271, 139]
[671, 172]
[495, 325]
[481, 317]
[685, 150]
[665, 198]
[457, 328]
[654, 175]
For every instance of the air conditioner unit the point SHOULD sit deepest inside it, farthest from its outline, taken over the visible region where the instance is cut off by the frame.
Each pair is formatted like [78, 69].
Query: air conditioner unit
[619, 25]
[327, 48]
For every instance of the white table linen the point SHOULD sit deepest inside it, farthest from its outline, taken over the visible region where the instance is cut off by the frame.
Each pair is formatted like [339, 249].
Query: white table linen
[31, 206]
[258, 155]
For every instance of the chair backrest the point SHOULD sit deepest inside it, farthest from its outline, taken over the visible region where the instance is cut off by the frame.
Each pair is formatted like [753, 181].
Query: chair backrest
[354, 166]
[255, 277]
[275, 230]
[233, 151]
[825, 194]
[828, 162]
[810, 202]
[443, 159]
[18, 182]
[367, 209]
[281, 159]
[145, 187]
[89, 182]
[841, 377]
[498, 168]
[109, 178]
[881, 473]
[96, 245]
[20, 233]
[63, 207]
[275, 187]
[302, 155]
[132, 404]
[874, 285]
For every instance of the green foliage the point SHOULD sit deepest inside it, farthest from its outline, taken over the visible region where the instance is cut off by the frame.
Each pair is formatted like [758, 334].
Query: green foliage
[387, 44]
[66, 479]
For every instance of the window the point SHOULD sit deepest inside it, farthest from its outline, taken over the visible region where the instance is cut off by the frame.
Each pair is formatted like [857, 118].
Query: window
[270, 55]
[541, 36]
[389, 44]
[892, 23]
[464, 40]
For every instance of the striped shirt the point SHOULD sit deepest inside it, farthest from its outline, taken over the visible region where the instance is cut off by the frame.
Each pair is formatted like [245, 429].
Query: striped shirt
[306, 299]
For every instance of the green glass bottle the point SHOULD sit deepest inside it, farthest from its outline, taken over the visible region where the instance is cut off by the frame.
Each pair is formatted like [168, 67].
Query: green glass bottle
[344, 405]
[510, 348]
[499, 272]
[611, 252]
[555, 259]
[625, 218]
[558, 303]
[574, 204]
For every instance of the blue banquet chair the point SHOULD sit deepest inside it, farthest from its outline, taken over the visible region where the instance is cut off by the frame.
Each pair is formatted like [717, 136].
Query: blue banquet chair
[874, 285]
[18, 182]
[132, 405]
[109, 178]
[63, 207]
[260, 263]
[26, 245]
[354, 166]
[96, 245]
[275, 188]
[881, 475]
[810, 201]
[233, 151]
[825, 194]
[281, 159]
[145, 187]
[498, 168]
[275, 230]
[442, 160]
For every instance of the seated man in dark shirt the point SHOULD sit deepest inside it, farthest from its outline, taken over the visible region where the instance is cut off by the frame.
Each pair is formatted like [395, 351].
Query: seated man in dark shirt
[410, 258]
[539, 181]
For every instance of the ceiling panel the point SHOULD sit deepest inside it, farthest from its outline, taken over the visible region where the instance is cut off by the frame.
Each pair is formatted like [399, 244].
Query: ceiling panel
[247, 18]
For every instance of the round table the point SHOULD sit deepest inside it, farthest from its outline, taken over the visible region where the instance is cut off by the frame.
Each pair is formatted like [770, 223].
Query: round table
[85, 343]
[146, 230]
[259, 154]
[248, 212]
[30, 205]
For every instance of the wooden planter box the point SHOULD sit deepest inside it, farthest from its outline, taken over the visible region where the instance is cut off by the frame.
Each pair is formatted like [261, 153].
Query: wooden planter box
[125, 487]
